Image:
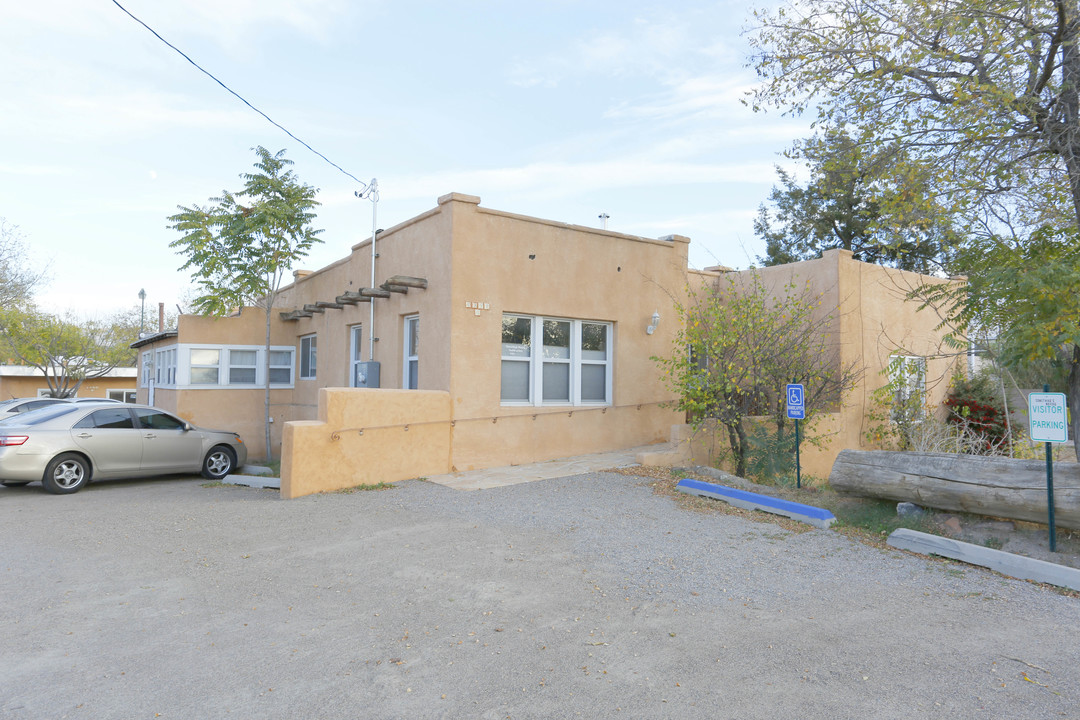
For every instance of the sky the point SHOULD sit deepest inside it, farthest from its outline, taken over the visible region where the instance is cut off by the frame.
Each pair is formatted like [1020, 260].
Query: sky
[558, 109]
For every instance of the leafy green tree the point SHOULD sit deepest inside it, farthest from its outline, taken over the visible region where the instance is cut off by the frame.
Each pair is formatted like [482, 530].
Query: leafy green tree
[737, 348]
[985, 92]
[240, 247]
[1027, 293]
[17, 280]
[66, 350]
[871, 203]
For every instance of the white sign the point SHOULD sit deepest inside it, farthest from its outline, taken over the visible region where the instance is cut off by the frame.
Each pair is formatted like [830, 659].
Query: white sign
[1048, 419]
[795, 407]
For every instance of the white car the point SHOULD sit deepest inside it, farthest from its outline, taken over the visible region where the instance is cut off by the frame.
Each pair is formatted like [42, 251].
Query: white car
[64, 444]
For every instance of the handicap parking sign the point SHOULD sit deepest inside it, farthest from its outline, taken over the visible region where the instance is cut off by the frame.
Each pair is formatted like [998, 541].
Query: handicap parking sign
[795, 397]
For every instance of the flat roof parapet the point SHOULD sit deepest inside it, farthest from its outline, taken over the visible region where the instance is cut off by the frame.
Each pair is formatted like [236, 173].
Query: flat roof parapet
[459, 197]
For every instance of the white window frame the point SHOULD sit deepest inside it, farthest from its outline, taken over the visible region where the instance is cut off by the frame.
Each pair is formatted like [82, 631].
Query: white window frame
[191, 365]
[290, 366]
[409, 353]
[232, 364]
[146, 369]
[121, 394]
[310, 354]
[165, 367]
[166, 374]
[356, 337]
[907, 375]
[536, 362]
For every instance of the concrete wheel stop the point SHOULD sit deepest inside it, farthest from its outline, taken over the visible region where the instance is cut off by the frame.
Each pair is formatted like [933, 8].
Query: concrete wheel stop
[255, 476]
[818, 517]
[1016, 566]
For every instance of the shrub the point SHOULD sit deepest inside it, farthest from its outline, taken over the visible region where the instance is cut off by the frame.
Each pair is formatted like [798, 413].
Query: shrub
[975, 409]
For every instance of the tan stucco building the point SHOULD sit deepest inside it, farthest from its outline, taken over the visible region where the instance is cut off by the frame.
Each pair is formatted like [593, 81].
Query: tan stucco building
[499, 339]
[533, 335]
[20, 381]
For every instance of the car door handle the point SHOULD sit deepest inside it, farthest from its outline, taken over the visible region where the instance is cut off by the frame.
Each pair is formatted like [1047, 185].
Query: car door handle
[85, 435]
[149, 436]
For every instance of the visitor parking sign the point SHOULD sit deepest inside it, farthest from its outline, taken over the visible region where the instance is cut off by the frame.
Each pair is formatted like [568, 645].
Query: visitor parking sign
[1048, 417]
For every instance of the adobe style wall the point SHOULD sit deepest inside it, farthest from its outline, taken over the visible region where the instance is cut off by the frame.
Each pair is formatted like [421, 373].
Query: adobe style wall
[871, 320]
[366, 437]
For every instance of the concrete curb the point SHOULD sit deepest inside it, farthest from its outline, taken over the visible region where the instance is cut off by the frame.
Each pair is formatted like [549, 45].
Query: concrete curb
[1016, 566]
[818, 517]
[255, 481]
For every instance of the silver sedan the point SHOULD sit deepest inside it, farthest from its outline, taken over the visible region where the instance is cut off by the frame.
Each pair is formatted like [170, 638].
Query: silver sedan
[65, 444]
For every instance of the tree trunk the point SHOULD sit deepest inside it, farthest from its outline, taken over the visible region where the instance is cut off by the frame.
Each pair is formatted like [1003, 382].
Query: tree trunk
[999, 487]
[266, 376]
[1073, 396]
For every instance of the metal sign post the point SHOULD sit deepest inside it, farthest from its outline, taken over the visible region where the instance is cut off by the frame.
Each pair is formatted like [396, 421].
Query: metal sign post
[1048, 422]
[796, 410]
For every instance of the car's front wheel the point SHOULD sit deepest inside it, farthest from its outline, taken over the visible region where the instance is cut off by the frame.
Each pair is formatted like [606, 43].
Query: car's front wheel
[66, 474]
[218, 463]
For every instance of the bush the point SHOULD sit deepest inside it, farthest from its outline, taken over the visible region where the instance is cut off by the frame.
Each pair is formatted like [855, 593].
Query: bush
[976, 410]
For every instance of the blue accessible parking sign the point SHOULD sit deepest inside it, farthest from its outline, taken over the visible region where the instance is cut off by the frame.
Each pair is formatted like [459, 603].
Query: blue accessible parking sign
[795, 407]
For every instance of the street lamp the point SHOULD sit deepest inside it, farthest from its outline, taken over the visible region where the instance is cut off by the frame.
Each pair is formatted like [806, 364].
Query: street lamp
[142, 312]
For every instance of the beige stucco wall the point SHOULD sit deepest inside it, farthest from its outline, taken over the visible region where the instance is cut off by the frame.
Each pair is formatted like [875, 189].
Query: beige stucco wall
[514, 264]
[364, 437]
[240, 410]
[872, 319]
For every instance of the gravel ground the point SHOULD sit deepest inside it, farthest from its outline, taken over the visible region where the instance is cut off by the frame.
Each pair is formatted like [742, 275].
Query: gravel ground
[586, 596]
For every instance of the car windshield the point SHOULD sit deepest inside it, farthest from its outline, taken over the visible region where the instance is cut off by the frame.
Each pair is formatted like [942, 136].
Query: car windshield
[35, 417]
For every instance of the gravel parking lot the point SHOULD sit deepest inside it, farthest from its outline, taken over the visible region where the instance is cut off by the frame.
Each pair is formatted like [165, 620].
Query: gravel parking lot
[585, 596]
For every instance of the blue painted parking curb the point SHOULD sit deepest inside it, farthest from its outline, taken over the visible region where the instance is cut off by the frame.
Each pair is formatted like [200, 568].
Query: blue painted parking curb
[818, 517]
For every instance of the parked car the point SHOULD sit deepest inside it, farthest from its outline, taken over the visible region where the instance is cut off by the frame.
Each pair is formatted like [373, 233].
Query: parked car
[66, 444]
[14, 406]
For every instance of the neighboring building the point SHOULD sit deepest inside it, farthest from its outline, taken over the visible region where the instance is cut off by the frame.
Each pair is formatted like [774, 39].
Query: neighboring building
[494, 339]
[25, 381]
[877, 330]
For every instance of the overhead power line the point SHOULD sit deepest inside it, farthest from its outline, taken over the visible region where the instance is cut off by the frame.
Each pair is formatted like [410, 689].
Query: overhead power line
[236, 94]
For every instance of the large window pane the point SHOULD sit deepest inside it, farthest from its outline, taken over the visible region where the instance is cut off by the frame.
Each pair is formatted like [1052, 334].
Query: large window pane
[593, 341]
[556, 382]
[515, 381]
[557, 339]
[241, 376]
[516, 336]
[593, 383]
[280, 376]
[204, 376]
[202, 356]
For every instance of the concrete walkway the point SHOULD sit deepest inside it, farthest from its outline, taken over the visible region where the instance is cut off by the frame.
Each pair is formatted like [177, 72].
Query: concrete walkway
[562, 467]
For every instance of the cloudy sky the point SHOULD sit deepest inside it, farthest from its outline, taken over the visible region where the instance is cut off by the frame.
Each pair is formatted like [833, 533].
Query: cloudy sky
[560, 109]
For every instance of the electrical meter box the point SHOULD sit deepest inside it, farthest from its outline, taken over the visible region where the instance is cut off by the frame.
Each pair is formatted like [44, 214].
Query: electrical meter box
[367, 375]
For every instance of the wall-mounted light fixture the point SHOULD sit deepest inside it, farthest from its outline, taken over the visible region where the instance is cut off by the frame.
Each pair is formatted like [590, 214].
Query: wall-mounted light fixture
[652, 325]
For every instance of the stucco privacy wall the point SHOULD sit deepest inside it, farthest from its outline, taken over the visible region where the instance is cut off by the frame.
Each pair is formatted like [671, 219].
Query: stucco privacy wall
[364, 437]
[872, 319]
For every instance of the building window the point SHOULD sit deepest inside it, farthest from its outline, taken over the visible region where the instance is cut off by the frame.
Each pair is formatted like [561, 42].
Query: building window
[147, 360]
[410, 370]
[907, 376]
[204, 365]
[554, 361]
[165, 367]
[516, 359]
[308, 347]
[127, 396]
[242, 367]
[281, 367]
[356, 335]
